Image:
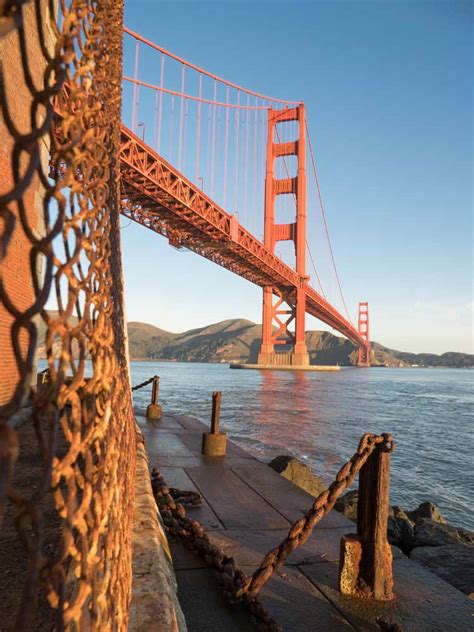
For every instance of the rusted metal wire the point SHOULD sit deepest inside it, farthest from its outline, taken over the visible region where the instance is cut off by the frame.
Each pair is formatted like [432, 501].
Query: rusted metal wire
[60, 198]
[193, 535]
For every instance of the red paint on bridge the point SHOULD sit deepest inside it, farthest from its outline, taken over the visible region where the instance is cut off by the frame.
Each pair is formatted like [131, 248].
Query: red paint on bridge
[158, 195]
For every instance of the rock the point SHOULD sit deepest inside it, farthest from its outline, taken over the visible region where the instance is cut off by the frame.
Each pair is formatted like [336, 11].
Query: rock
[426, 510]
[298, 473]
[400, 530]
[431, 533]
[452, 562]
[347, 505]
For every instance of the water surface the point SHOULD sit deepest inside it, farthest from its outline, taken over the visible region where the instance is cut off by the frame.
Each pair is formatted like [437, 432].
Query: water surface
[319, 417]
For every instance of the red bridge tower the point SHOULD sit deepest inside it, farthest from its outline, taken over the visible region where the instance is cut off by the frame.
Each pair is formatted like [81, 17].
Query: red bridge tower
[363, 327]
[283, 305]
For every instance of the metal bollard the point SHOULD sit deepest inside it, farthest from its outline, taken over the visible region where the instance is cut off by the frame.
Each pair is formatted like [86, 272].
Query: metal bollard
[214, 443]
[154, 410]
[365, 564]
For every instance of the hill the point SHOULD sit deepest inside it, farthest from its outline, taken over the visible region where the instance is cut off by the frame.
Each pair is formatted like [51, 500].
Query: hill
[238, 340]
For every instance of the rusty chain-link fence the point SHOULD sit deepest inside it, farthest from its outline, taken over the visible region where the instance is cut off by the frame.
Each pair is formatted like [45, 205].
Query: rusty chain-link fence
[69, 464]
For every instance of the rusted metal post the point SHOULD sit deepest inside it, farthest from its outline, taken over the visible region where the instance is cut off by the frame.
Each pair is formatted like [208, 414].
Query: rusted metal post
[216, 411]
[155, 389]
[214, 443]
[154, 410]
[365, 566]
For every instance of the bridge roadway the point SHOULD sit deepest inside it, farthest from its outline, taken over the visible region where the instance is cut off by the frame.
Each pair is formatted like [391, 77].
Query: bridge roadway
[158, 196]
[247, 510]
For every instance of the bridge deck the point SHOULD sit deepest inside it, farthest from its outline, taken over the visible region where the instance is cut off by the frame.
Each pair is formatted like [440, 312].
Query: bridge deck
[156, 195]
[248, 508]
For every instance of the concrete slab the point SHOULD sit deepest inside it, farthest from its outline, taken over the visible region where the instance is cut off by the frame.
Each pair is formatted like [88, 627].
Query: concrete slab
[206, 611]
[424, 603]
[298, 606]
[165, 444]
[177, 477]
[204, 607]
[165, 422]
[193, 440]
[289, 500]
[249, 547]
[236, 505]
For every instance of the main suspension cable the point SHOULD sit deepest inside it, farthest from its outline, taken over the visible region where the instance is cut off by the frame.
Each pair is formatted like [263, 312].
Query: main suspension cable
[323, 214]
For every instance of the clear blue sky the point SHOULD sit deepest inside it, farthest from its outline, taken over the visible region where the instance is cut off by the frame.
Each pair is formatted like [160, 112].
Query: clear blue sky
[388, 88]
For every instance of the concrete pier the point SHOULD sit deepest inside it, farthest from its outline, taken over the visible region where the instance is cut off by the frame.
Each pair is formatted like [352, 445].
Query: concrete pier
[286, 367]
[248, 509]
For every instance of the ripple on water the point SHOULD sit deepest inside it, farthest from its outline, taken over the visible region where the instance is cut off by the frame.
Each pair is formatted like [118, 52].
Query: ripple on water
[320, 417]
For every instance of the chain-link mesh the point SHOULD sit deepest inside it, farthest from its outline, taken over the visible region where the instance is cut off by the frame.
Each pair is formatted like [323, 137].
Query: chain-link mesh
[60, 98]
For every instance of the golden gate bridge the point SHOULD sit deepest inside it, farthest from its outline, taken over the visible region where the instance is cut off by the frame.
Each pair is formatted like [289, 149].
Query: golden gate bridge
[222, 171]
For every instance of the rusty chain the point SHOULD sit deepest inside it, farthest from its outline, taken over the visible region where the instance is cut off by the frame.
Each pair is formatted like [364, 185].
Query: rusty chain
[59, 205]
[302, 528]
[143, 384]
[194, 537]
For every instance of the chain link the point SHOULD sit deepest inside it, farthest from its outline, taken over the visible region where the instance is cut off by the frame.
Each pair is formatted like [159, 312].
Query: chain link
[143, 384]
[302, 528]
[60, 200]
[195, 538]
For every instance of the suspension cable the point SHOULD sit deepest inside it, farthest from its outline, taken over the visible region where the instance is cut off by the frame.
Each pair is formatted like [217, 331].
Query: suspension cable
[307, 246]
[323, 214]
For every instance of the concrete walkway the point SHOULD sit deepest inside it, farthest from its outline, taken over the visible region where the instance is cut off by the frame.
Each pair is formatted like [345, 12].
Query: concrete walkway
[248, 509]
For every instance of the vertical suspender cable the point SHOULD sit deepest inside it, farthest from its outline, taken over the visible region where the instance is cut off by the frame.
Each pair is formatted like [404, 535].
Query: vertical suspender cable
[213, 137]
[198, 130]
[162, 77]
[135, 91]
[226, 146]
[236, 159]
[254, 162]
[263, 161]
[208, 145]
[170, 153]
[185, 134]
[181, 114]
[246, 171]
[155, 124]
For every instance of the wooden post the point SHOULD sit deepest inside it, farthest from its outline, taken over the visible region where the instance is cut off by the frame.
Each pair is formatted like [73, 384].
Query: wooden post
[365, 566]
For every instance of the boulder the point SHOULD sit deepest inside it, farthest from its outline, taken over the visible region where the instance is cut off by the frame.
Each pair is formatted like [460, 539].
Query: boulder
[452, 562]
[431, 533]
[347, 505]
[426, 510]
[298, 473]
[400, 530]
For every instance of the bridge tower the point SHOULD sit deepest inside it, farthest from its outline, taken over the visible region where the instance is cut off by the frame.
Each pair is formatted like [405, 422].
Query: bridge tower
[363, 327]
[282, 306]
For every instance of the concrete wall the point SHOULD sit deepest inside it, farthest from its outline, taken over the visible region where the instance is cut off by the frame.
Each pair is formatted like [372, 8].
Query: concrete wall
[15, 268]
[155, 606]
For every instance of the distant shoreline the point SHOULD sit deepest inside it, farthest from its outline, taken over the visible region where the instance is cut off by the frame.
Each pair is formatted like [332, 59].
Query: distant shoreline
[346, 366]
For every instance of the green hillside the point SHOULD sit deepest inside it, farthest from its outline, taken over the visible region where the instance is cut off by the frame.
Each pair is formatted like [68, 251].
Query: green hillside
[238, 340]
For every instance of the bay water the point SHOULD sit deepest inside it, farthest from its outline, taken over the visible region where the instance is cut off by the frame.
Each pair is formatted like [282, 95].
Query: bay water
[320, 417]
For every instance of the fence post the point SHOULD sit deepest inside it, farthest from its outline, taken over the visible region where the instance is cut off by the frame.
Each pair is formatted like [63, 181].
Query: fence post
[365, 565]
[214, 443]
[154, 410]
